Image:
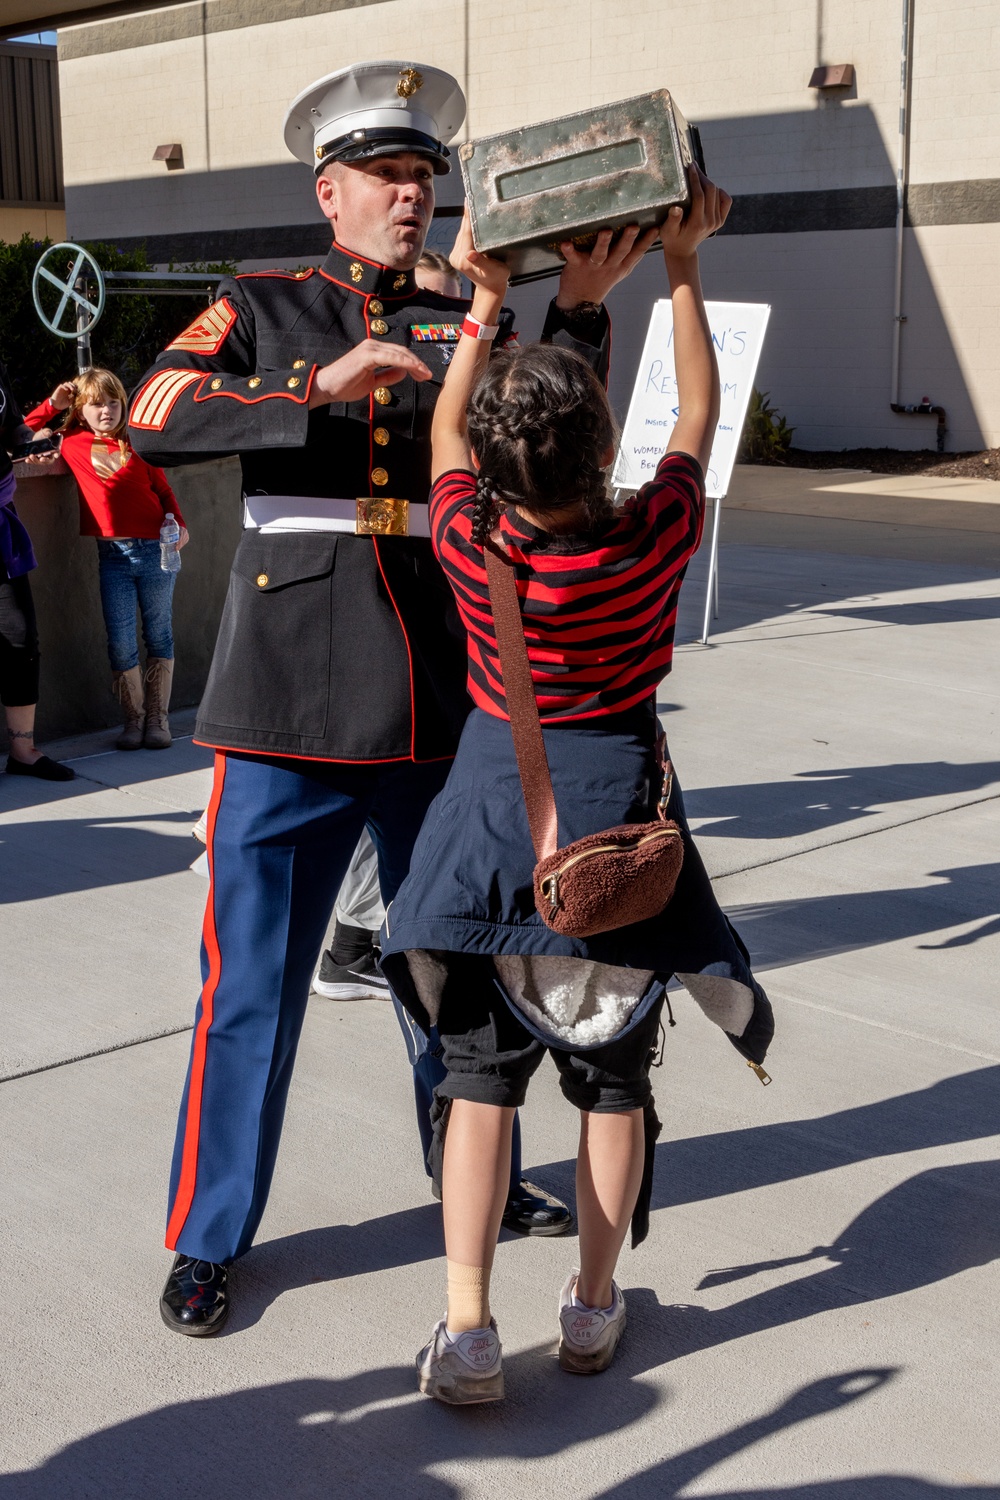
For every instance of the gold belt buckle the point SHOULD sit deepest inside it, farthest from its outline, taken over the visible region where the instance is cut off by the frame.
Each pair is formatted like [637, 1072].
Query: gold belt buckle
[379, 515]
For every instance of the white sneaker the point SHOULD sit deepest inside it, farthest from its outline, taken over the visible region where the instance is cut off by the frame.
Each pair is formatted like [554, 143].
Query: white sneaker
[462, 1368]
[588, 1336]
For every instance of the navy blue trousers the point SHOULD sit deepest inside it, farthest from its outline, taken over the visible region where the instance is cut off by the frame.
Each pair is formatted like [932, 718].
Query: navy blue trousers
[281, 834]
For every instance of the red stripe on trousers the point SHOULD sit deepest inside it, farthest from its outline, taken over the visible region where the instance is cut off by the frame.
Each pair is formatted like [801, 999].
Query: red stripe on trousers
[192, 1127]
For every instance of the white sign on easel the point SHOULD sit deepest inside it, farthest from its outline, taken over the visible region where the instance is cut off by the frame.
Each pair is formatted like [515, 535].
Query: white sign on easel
[738, 335]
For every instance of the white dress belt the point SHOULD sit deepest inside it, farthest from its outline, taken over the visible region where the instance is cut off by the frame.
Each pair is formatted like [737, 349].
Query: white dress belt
[373, 515]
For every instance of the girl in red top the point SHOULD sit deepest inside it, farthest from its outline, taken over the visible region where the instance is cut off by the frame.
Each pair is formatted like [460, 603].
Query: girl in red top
[123, 503]
[522, 442]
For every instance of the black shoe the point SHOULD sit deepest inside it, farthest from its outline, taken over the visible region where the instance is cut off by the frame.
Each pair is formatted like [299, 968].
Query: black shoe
[45, 769]
[195, 1300]
[532, 1211]
[361, 979]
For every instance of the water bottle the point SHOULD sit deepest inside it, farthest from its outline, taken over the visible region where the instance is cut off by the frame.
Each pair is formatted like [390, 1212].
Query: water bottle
[170, 535]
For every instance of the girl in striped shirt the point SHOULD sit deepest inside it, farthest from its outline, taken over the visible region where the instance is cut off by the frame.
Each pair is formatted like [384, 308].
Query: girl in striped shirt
[522, 442]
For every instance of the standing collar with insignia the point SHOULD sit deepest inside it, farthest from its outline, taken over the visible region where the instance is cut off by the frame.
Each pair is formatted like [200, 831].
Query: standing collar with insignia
[367, 276]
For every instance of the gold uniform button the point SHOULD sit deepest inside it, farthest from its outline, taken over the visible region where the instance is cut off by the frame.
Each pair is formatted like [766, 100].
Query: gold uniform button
[375, 307]
[383, 395]
[380, 476]
[381, 436]
[298, 364]
[357, 270]
[254, 382]
[216, 383]
[293, 381]
[379, 326]
[262, 580]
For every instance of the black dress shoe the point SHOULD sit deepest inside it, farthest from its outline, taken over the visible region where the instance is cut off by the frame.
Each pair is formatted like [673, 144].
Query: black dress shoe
[529, 1210]
[44, 768]
[195, 1300]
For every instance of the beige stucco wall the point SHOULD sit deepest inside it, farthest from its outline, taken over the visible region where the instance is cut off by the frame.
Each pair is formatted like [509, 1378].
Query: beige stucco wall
[532, 59]
[41, 223]
[738, 67]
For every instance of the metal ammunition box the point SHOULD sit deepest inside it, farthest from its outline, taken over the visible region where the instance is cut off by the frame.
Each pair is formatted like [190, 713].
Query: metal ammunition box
[530, 190]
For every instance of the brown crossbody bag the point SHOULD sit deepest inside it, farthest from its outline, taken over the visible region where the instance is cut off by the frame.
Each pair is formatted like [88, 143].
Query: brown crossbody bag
[608, 879]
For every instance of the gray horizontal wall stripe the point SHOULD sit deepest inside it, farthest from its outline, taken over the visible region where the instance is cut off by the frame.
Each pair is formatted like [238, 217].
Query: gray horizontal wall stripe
[930, 203]
[976, 201]
[186, 20]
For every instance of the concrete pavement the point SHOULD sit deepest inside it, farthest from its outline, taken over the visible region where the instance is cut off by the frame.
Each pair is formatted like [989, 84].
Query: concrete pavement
[814, 1313]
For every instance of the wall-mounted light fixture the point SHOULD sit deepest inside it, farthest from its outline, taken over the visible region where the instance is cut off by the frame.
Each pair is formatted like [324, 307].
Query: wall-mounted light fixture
[173, 155]
[832, 76]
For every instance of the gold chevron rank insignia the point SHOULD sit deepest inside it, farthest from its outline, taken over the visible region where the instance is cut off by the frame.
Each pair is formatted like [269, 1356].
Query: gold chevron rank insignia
[208, 333]
[155, 401]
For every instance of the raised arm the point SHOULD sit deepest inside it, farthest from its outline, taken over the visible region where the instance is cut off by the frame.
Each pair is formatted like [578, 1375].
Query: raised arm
[694, 355]
[449, 430]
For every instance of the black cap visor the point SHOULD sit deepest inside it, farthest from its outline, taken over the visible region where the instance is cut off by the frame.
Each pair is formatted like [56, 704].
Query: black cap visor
[361, 145]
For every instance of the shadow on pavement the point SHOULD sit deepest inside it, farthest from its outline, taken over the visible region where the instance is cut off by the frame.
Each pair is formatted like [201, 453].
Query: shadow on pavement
[371, 1435]
[811, 801]
[330, 1253]
[364, 1435]
[820, 1398]
[57, 856]
[764, 584]
[923, 612]
[929, 1228]
[963, 1108]
[779, 933]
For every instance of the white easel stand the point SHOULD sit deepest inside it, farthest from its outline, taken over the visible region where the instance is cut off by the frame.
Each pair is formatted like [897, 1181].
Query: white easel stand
[712, 588]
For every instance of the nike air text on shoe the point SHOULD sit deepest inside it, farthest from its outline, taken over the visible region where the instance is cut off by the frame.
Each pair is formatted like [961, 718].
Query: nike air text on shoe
[462, 1368]
[588, 1336]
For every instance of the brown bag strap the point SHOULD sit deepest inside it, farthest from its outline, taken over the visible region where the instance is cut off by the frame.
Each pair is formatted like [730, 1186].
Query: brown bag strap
[519, 690]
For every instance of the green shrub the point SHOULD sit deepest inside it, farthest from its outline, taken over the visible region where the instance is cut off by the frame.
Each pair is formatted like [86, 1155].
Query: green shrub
[767, 437]
[131, 332]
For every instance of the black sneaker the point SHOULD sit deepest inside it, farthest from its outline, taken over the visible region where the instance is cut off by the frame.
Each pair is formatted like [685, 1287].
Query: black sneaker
[361, 979]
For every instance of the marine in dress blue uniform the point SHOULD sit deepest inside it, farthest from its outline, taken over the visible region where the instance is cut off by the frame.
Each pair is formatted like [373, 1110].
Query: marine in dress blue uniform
[337, 690]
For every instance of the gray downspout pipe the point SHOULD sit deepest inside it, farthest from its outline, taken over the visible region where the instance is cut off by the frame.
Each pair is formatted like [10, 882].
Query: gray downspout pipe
[926, 408]
[902, 180]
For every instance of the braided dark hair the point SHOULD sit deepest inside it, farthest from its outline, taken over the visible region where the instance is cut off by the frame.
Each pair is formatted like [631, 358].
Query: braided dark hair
[484, 517]
[539, 425]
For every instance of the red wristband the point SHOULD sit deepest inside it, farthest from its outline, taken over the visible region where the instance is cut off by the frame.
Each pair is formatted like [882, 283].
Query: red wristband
[476, 330]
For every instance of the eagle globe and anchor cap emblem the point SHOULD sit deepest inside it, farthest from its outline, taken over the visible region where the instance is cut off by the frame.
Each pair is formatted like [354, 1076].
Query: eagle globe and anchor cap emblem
[409, 81]
[377, 108]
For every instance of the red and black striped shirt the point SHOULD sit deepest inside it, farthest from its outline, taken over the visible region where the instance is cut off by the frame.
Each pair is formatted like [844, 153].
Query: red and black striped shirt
[599, 608]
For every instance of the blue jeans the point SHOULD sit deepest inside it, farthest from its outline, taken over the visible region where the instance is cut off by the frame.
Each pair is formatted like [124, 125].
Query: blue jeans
[130, 574]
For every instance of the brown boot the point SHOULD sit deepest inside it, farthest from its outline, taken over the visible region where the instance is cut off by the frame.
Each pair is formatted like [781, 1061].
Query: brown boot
[159, 674]
[127, 688]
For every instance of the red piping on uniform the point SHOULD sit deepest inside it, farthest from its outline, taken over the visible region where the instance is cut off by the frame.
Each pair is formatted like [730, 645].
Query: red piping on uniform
[253, 400]
[285, 275]
[192, 1125]
[353, 255]
[329, 760]
[409, 658]
[371, 401]
[360, 291]
[357, 290]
